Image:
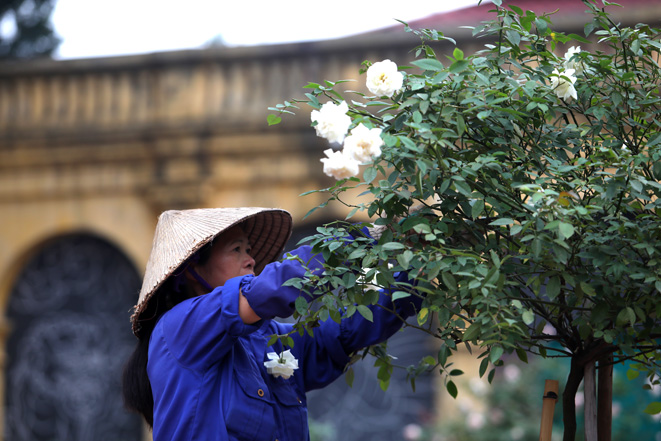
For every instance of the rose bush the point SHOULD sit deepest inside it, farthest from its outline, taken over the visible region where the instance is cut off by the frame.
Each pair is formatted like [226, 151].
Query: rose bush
[535, 178]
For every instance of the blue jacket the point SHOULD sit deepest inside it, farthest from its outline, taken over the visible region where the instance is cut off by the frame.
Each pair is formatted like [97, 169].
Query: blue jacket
[206, 366]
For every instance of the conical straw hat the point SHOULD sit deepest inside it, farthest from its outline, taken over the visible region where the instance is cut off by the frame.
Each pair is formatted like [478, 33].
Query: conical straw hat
[179, 234]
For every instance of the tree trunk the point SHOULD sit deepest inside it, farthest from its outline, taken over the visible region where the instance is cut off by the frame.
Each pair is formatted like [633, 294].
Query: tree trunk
[569, 399]
[605, 398]
[590, 394]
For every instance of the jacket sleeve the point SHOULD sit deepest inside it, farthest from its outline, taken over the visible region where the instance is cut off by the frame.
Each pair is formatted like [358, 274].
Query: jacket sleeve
[265, 293]
[324, 356]
[356, 332]
[200, 331]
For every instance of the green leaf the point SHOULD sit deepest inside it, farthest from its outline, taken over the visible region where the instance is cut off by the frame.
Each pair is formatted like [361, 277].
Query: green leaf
[451, 388]
[588, 28]
[272, 340]
[566, 230]
[654, 141]
[423, 315]
[513, 37]
[400, 295]
[627, 315]
[349, 376]
[384, 384]
[483, 367]
[462, 188]
[369, 175]
[477, 209]
[461, 125]
[579, 38]
[301, 305]
[365, 312]
[587, 289]
[458, 66]
[458, 54]
[391, 246]
[428, 64]
[273, 120]
[528, 317]
[541, 24]
[516, 9]
[632, 374]
[449, 281]
[357, 254]
[553, 287]
[503, 221]
[496, 353]
[472, 332]
[653, 408]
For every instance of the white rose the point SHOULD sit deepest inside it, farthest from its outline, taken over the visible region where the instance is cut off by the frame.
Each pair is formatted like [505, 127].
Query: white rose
[363, 144]
[577, 65]
[281, 365]
[339, 165]
[383, 79]
[562, 84]
[332, 121]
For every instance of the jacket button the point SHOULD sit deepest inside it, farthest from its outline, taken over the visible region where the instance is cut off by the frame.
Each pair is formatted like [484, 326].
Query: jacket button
[298, 399]
[260, 392]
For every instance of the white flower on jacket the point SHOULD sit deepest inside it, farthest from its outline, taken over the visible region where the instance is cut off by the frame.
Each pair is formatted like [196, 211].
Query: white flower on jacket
[282, 365]
[562, 84]
[383, 78]
[332, 121]
[363, 144]
[339, 165]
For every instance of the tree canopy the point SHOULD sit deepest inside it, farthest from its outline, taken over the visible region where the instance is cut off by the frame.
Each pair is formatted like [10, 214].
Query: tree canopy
[518, 186]
[28, 31]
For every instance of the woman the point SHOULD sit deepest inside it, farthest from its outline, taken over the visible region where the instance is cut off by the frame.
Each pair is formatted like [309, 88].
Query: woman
[202, 369]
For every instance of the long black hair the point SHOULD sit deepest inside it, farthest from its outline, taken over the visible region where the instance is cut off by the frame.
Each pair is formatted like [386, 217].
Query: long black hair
[136, 388]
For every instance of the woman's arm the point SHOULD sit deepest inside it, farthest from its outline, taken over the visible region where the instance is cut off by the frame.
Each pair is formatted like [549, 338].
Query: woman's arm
[265, 294]
[247, 314]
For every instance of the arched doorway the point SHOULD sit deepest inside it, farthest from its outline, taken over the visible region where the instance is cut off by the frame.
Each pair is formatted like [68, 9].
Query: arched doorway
[69, 339]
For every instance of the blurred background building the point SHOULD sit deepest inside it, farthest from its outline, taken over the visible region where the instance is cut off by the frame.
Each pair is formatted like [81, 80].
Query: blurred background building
[92, 150]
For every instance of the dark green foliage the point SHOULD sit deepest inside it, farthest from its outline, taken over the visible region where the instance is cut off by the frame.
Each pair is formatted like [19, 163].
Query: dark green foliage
[34, 36]
[536, 178]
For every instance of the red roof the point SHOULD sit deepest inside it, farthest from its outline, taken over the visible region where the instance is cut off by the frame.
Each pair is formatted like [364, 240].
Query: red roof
[567, 10]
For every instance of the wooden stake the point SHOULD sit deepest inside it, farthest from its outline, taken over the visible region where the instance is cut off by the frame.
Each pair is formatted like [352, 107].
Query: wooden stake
[605, 398]
[590, 393]
[548, 408]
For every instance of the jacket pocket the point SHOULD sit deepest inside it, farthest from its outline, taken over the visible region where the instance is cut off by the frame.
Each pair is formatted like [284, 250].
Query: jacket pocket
[250, 414]
[292, 408]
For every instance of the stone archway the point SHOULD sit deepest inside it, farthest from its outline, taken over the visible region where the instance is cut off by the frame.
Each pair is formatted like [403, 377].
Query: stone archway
[69, 339]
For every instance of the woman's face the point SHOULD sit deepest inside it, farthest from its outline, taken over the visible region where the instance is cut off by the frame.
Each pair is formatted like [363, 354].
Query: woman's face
[230, 257]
